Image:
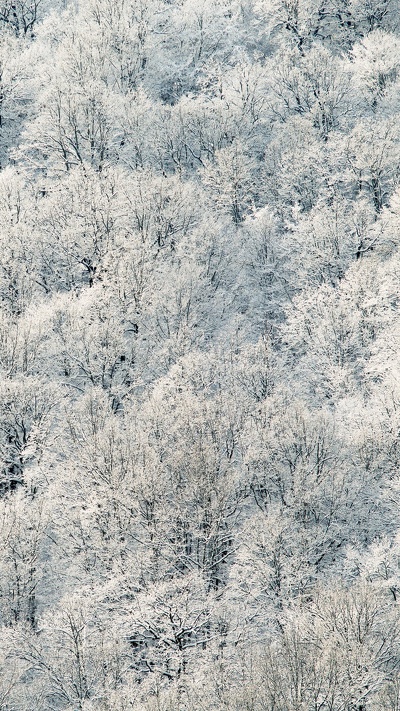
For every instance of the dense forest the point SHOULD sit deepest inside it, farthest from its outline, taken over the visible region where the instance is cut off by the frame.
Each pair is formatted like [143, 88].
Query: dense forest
[200, 355]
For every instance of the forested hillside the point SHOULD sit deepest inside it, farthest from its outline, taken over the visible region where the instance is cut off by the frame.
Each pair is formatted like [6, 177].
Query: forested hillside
[200, 355]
